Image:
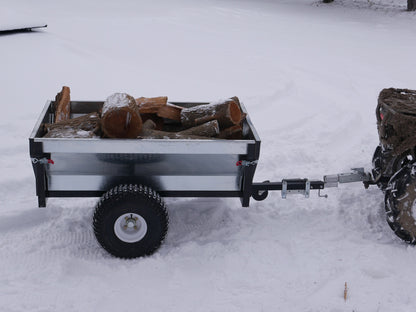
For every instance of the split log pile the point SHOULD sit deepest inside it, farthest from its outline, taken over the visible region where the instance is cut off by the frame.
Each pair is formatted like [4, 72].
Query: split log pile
[123, 116]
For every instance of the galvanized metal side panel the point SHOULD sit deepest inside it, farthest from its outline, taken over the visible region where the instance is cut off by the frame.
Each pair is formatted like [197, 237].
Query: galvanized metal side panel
[158, 183]
[143, 164]
[164, 172]
[145, 146]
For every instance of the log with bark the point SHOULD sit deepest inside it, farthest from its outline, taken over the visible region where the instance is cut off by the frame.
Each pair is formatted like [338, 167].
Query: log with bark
[149, 125]
[157, 134]
[62, 105]
[87, 126]
[208, 129]
[232, 133]
[202, 132]
[120, 117]
[227, 113]
[155, 118]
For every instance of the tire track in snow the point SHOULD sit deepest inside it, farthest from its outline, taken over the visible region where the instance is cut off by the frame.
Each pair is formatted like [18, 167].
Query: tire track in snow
[362, 211]
[34, 238]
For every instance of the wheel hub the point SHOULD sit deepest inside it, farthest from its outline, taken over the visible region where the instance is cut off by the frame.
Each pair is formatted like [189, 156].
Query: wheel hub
[130, 227]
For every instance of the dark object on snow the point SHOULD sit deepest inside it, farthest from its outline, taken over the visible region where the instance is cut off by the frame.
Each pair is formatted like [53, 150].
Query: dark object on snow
[396, 119]
[411, 5]
[13, 30]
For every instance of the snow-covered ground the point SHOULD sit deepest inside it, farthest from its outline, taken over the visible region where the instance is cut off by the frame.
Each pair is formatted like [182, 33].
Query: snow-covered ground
[308, 73]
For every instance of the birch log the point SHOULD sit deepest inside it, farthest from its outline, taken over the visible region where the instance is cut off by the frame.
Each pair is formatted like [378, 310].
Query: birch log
[227, 113]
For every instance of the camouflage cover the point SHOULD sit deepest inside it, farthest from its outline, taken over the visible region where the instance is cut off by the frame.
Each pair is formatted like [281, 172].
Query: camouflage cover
[396, 119]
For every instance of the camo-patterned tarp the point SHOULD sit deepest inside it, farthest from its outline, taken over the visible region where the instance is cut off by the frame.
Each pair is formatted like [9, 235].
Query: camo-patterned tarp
[396, 119]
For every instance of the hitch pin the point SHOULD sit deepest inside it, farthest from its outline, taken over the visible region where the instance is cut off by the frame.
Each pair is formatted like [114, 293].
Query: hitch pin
[319, 194]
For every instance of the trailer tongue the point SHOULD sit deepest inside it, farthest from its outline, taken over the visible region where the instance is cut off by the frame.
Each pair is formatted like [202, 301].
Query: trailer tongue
[304, 186]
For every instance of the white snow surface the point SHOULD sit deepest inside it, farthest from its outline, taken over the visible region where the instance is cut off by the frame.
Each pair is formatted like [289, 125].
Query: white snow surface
[309, 75]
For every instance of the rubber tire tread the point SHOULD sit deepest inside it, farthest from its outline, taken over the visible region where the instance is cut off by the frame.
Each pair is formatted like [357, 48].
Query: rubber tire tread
[133, 198]
[400, 183]
[377, 168]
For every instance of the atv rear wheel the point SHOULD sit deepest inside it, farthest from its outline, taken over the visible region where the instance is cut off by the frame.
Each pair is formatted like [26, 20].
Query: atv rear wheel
[385, 165]
[400, 203]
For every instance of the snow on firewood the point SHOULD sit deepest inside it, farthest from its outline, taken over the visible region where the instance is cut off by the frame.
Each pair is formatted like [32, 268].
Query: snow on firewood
[86, 126]
[116, 100]
[227, 113]
[69, 132]
[121, 117]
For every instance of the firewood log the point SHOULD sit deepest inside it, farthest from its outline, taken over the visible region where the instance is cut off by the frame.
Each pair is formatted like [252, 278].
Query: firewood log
[156, 119]
[232, 133]
[208, 129]
[149, 124]
[120, 117]
[151, 105]
[169, 111]
[62, 105]
[205, 131]
[157, 134]
[237, 100]
[227, 113]
[86, 126]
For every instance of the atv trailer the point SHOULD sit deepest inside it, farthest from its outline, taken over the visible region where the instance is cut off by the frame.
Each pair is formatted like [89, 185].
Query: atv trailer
[132, 176]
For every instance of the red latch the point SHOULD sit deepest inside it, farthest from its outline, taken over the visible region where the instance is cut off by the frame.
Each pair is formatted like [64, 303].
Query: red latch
[246, 163]
[43, 161]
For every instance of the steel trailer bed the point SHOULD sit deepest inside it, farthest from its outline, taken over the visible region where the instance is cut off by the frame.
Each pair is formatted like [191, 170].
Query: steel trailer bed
[190, 168]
